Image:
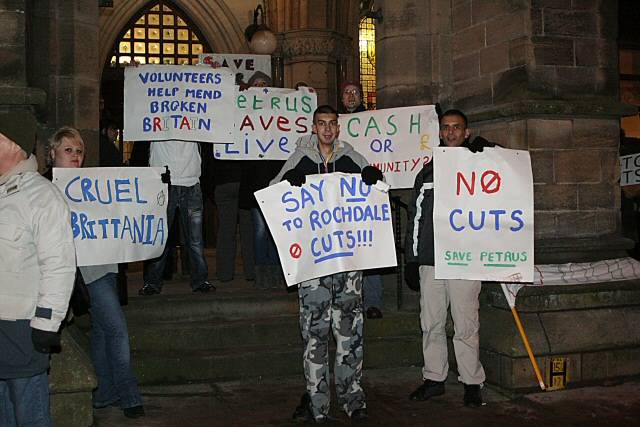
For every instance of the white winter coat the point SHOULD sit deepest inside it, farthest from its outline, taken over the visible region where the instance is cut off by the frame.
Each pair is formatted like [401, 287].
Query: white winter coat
[37, 254]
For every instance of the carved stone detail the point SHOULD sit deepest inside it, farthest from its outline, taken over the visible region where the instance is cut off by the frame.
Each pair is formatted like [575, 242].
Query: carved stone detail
[321, 43]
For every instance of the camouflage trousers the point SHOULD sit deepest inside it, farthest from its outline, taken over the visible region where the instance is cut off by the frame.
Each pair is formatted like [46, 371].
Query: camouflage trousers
[333, 304]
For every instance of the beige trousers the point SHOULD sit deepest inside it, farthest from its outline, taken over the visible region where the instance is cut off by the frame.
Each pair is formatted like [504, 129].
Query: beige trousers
[435, 297]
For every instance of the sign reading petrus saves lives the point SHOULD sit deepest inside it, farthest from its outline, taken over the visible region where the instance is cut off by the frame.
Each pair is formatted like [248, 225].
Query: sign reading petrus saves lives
[269, 121]
[483, 215]
[117, 214]
[333, 223]
[398, 141]
[189, 103]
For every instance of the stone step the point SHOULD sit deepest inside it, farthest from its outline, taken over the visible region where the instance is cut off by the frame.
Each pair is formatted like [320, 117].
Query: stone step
[274, 330]
[187, 307]
[172, 366]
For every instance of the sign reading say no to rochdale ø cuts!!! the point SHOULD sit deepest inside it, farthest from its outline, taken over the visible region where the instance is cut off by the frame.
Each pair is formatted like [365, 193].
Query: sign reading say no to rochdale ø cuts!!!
[333, 223]
[483, 215]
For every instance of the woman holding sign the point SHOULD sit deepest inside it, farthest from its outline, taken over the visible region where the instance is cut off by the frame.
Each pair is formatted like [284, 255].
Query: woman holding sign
[110, 352]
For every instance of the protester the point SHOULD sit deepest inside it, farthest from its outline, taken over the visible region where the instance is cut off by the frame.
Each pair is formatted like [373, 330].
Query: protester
[436, 294]
[37, 271]
[110, 352]
[334, 302]
[372, 291]
[351, 98]
[110, 154]
[183, 161]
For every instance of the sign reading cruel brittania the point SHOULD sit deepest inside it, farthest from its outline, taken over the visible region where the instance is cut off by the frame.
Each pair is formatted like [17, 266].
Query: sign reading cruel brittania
[333, 223]
[483, 215]
[398, 141]
[117, 214]
[269, 121]
[189, 103]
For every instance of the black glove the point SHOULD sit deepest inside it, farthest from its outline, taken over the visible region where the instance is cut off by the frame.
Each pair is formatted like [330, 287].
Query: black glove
[371, 175]
[166, 176]
[478, 144]
[412, 275]
[294, 177]
[45, 341]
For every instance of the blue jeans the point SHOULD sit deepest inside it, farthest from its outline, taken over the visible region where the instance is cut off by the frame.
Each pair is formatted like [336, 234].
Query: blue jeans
[264, 246]
[372, 291]
[110, 352]
[25, 402]
[189, 202]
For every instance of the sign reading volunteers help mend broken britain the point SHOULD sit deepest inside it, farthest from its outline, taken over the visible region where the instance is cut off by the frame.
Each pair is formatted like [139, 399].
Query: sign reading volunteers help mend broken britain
[398, 141]
[189, 103]
[483, 215]
[117, 214]
[333, 223]
[269, 121]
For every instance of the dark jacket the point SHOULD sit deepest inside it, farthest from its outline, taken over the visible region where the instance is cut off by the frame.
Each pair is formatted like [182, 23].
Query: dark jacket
[342, 110]
[418, 241]
[308, 160]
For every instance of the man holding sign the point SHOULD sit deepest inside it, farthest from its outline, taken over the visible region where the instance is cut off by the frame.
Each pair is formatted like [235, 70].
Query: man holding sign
[333, 302]
[436, 295]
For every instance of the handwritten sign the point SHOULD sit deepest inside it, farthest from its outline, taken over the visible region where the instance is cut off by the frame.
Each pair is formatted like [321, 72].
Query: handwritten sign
[117, 214]
[398, 141]
[269, 121]
[189, 103]
[333, 223]
[245, 67]
[630, 169]
[483, 214]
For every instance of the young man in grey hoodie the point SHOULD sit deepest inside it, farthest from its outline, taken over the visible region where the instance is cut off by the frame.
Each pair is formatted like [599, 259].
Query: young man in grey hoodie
[334, 302]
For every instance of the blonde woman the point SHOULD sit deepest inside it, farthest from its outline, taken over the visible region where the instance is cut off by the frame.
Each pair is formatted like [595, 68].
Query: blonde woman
[110, 352]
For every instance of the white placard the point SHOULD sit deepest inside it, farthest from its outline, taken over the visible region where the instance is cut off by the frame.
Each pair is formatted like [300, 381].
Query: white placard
[333, 223]
[630, 169]
[269, 121]
[483, 214]
[244, 66]
[178, 102]
[398, 141]
[117, 214]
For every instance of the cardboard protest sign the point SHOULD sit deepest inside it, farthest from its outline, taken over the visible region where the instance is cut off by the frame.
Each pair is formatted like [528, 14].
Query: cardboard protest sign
[333, 223]
[246, 67]
[117, 214]
[189, 103]
[483, 214]
[398, 141]
[269, 121]
[630, 169]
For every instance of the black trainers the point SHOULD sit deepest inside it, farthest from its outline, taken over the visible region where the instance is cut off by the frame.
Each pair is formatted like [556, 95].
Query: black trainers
[427, 390]
[148, 289]
[134, 412]
[359, 414]
[472, 396]
[303, 413]
[204, 288]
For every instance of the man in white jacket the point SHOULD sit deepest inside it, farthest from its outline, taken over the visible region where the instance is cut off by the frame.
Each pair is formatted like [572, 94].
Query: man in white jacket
[183, 160]
[37, 271]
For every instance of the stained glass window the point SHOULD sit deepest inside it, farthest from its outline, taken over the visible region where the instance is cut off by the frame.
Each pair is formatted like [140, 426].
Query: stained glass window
[367, 39]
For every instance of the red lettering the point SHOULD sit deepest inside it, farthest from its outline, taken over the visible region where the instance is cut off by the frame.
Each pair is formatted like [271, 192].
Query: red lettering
[282, 121]
[156, 124]
[266, 126]
[470, 188]
[185, 122]
[302, 127]
[247, 122]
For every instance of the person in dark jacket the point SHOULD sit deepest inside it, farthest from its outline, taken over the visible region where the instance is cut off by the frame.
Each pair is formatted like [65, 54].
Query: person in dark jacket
[333, 302]
[435, 294]
[351, 98]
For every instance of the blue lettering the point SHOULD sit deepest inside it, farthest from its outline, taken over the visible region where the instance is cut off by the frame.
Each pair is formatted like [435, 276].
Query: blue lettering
[515, 215]
[453, 212]
[119, 190]
[66, 190]
[286, 199]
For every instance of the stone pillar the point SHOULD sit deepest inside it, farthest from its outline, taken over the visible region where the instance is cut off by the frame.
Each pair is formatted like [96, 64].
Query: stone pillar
[534, 75]
[63, 58]
[17, 99]
[310, 55]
